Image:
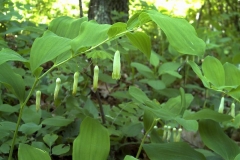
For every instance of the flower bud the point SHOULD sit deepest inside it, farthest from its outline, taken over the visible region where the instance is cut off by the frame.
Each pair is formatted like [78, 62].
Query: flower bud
[164, 132]
[38, 100]
[95, 78]
[116, 66]
[233, 110]
[58, 84]
[178, 137]
[174, 134]
[168, 133]
[75, 83]
[221, 106]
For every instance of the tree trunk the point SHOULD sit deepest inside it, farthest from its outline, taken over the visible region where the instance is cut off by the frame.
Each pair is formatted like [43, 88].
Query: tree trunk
[108, 11]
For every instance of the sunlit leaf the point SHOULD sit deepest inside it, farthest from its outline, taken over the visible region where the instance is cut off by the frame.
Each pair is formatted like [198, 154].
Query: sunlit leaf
[99, 54]
[214, 72]
[93, 142]
[181, 35]
[215, 139]
[232, 74]
[10, 55]
[66, 26]
[26, 152]
[189, 125]
[142, 41]
[116, 28]
[197, 70]
[172, 151]
[90, 34]
[46, 48]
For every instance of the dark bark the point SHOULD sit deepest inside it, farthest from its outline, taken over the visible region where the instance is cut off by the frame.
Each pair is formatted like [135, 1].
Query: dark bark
[108, 11]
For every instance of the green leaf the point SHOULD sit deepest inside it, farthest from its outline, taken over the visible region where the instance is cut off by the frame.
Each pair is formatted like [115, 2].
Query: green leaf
[30, 115]
[46, 48]
[156, 84]
[10, 55]
[116, 28]
[215, 139]
[132, 129]
[141, 41]
[137, 94]
[91, 34]
[12, 81]
[60, 149]
[189, 125]
[181, 35]
[148, 119]
[93, 142]
[29, 128]
[8, 126]
[170, 68]
[172, 151]
[133, 21]
[142, 69]
[127, 157]
[197, 70]
[154, 59]
[57, 121]
[66, 26]
[206, 114]
[214, 72]
[174, 105]
[232, 74]
[49, 139]
[97, 54]
[7, 108]
[26, 152]
[237, 157]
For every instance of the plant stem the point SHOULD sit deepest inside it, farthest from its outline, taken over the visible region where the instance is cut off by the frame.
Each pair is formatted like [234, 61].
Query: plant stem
[19, 118]
[144, 137]
[101, 108]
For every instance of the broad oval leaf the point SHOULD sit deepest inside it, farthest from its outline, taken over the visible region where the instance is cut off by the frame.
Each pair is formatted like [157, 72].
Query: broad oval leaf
[116, 28]
[141, 41]
[215, 139]
[172, 151]
[93, 142]
[10, 55]
[49, 139]
[127, 157]
[142, 69]
[29, 128]
[60, 149]
[138, 94]
[214, 72]
[12, 81]
[57, 121]
[46, 48]
[206, 114]
[189, 125]
[232, 74]
[90, 34]
[66, 26]
[26, 152]
[181, 35]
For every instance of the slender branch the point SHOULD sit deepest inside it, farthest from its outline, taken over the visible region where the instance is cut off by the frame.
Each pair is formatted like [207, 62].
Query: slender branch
[19, 118]
[144, 137]
[101, 108]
